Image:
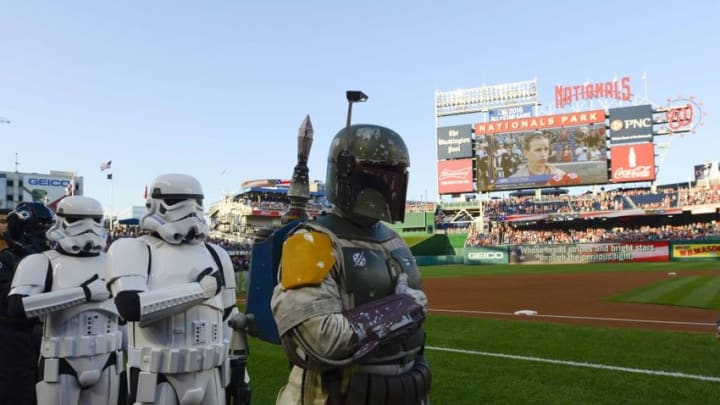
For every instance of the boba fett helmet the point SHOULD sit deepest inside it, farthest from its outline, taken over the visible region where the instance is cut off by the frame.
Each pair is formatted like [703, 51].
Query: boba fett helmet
[367, 173]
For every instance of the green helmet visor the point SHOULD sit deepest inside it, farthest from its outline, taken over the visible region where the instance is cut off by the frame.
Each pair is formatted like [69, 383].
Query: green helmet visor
[379, 191]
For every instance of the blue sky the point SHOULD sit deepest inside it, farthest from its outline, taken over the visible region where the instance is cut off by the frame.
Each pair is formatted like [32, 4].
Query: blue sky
[217, 89]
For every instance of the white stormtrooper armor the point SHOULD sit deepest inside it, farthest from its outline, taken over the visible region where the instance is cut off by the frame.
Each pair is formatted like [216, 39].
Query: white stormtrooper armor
[175, 291]
[81, 356]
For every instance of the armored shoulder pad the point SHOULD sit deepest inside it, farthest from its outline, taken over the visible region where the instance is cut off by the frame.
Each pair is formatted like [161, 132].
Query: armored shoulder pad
[307, 257]
[31, 271]
[127, 257]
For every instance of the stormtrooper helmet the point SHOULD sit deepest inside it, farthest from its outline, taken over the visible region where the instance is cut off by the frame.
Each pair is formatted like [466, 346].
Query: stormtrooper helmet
[175, 209]
[78, 226]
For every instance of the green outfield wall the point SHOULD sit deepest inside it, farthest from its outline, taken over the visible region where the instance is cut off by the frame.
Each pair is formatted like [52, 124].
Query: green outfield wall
[570, 253]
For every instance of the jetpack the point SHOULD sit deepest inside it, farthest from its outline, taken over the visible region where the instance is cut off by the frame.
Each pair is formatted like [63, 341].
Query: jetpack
[266, 251]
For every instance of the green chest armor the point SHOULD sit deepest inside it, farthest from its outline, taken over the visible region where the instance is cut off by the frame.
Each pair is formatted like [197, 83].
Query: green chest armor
[372, 258]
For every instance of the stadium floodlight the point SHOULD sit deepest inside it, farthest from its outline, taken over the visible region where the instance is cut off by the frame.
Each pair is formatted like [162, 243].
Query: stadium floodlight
[353, 96]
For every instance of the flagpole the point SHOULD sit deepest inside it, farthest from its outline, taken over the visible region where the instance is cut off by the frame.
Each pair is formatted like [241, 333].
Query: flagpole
[108, 166]
[112, 202]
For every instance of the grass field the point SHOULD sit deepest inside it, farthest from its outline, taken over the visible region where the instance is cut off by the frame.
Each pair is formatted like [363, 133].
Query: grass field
[477, 361]
[689, 291]
[459, 270]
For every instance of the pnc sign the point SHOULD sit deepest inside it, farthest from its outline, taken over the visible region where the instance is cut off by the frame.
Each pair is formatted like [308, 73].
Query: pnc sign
[631, 124]
[637, 123]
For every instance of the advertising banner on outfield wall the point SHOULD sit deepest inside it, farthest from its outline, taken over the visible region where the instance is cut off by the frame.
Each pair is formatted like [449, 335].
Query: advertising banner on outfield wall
[590, 253]
[486, 255]
[696, 251]
[454, 142]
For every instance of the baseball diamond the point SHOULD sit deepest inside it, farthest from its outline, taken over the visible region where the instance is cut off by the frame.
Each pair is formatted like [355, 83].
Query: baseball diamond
[575, 298]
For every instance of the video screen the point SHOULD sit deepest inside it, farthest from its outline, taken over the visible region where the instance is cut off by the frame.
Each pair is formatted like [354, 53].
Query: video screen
[569, 156]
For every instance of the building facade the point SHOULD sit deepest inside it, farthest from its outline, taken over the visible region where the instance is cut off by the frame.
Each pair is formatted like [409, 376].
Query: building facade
[17, 187]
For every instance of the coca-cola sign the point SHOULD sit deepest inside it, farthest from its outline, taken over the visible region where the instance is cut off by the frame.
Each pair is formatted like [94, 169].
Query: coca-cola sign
[635, 162]
[635, 174]
[455, 176]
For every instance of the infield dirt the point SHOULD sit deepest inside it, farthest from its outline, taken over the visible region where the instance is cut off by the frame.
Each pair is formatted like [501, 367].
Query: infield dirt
[576, 298]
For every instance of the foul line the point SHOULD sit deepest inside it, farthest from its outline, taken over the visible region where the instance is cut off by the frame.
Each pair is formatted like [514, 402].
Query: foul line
[581, 364]
[591, 318]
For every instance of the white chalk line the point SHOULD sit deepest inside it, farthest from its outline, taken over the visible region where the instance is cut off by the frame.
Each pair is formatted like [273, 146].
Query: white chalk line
[590, 318]
[581, 364]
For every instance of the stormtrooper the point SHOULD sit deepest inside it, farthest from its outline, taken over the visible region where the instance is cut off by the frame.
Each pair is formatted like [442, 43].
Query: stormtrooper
[80, 353]
[349, 305]
[175, 291]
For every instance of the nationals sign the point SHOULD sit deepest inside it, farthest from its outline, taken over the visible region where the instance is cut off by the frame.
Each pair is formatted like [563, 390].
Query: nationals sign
[632, 163]
[455, 176]
[619, 90]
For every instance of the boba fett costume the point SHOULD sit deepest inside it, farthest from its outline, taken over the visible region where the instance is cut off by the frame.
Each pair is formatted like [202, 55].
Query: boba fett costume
[349, 304]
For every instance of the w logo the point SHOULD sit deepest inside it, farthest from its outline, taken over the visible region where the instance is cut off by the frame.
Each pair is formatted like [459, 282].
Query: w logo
[359, 259]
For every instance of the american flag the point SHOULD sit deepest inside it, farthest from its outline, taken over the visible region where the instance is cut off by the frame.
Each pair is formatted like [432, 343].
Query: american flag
[105, 165]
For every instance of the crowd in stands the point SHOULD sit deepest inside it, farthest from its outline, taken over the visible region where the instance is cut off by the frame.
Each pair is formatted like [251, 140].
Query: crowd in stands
[506, 234]
[614, 200]
[239, 251]
[279, 202]
[699, 196]
[604, 201]
[124, 231]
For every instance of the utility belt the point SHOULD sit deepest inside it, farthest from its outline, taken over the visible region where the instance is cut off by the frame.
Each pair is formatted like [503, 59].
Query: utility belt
[51, 369]
[392, 384]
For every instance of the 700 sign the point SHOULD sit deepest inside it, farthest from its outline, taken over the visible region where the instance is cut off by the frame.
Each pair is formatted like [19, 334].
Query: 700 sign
[684, 115]
[679, 117]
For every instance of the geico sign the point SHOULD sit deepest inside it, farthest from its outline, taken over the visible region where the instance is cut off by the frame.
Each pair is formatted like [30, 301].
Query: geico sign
[34, 181]
[485, 255]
